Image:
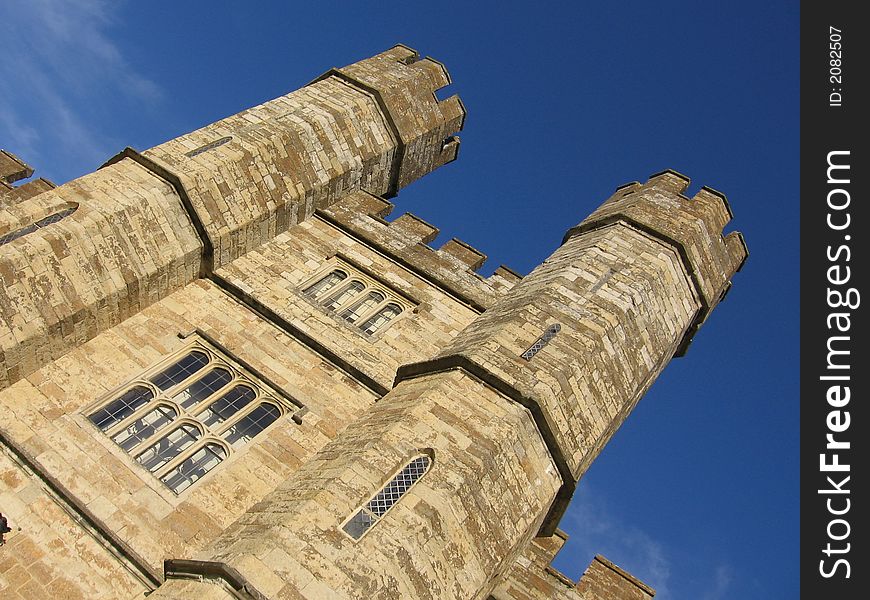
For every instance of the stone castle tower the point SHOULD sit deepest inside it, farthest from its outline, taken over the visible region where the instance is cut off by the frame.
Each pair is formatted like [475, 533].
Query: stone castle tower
[224, 375]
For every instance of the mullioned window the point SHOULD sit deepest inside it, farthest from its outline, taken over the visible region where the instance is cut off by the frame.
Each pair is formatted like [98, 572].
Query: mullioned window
[357, 298]
[44, 222]
[188, 414]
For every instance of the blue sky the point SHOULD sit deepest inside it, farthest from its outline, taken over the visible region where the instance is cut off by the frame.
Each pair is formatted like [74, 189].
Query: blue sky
[697, 493]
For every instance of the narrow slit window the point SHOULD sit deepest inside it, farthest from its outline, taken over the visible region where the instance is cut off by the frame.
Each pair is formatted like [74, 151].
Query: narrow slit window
[209, 146]
[369, 514]
[542, 341]
[321, 286]
[381, 318]
[371, 300]
[52, 218]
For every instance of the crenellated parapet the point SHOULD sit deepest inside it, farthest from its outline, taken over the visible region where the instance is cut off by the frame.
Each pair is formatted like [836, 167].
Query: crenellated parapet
[13, 169]
[580, 339]
[692, 226]
[532, 577]
[406, 85]
[374, 125]
[81, 257]
[453, 266]
[447, 416]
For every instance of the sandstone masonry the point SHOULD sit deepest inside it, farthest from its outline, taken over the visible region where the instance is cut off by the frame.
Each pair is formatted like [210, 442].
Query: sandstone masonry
[223, 374]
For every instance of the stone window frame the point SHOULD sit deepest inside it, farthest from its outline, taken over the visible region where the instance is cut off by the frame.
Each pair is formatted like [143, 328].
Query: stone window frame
[58, 215]
[371, 285]
[370, 517]
[195, 415]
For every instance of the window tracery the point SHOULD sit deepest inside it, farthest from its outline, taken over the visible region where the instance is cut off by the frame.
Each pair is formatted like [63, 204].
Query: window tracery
[188, 414]
[358, 299]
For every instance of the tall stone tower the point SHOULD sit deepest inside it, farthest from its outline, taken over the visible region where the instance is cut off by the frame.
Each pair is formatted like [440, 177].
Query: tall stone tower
[224, 375]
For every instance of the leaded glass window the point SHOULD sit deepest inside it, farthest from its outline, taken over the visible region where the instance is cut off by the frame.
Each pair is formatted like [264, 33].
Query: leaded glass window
[251, 424]
[542, 341]
[356, 297]
[169, 446]
[44, 222]
[194, 467]
[321, 286]
[203, 388]
[188, 413]
[369, 514]
[209, 146]
[227, 405]
[344, 295]
[371, 300]
[145, 426]
[180, 370]
[122, 407]
[381, 318]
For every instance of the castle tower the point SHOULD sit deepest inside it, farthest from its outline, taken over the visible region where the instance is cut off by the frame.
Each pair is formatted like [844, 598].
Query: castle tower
[225, 375]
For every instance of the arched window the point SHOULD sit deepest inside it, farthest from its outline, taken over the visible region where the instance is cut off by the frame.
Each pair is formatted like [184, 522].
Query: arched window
[355, 296]
[189, 413]
[371, 300]
[194, 467]
[180, 370]
[169, 446]
[251, 424]
[346, 293]
[122, 407]
[145, 426]
[369, 514]
[381, 318]
[227, 405]
[203, 387]
[323, 285]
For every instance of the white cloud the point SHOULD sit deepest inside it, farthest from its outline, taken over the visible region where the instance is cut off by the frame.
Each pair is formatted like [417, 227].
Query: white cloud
[596, 531]
[61, 71]
[721, 583]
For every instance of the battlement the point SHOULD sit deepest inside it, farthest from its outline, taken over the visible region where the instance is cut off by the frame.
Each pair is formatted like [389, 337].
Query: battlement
[692, 225]
[604, 580]
[266, 232]
[406, 85]
[375, 125]
[78, 258]
[453, 266]
[533, 577]
[13, 168]
[628, 288]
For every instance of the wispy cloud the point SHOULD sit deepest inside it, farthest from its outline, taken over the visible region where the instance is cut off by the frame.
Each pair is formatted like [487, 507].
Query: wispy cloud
[721, 583]
[604, 533]
[595, 529]
[62, 70]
